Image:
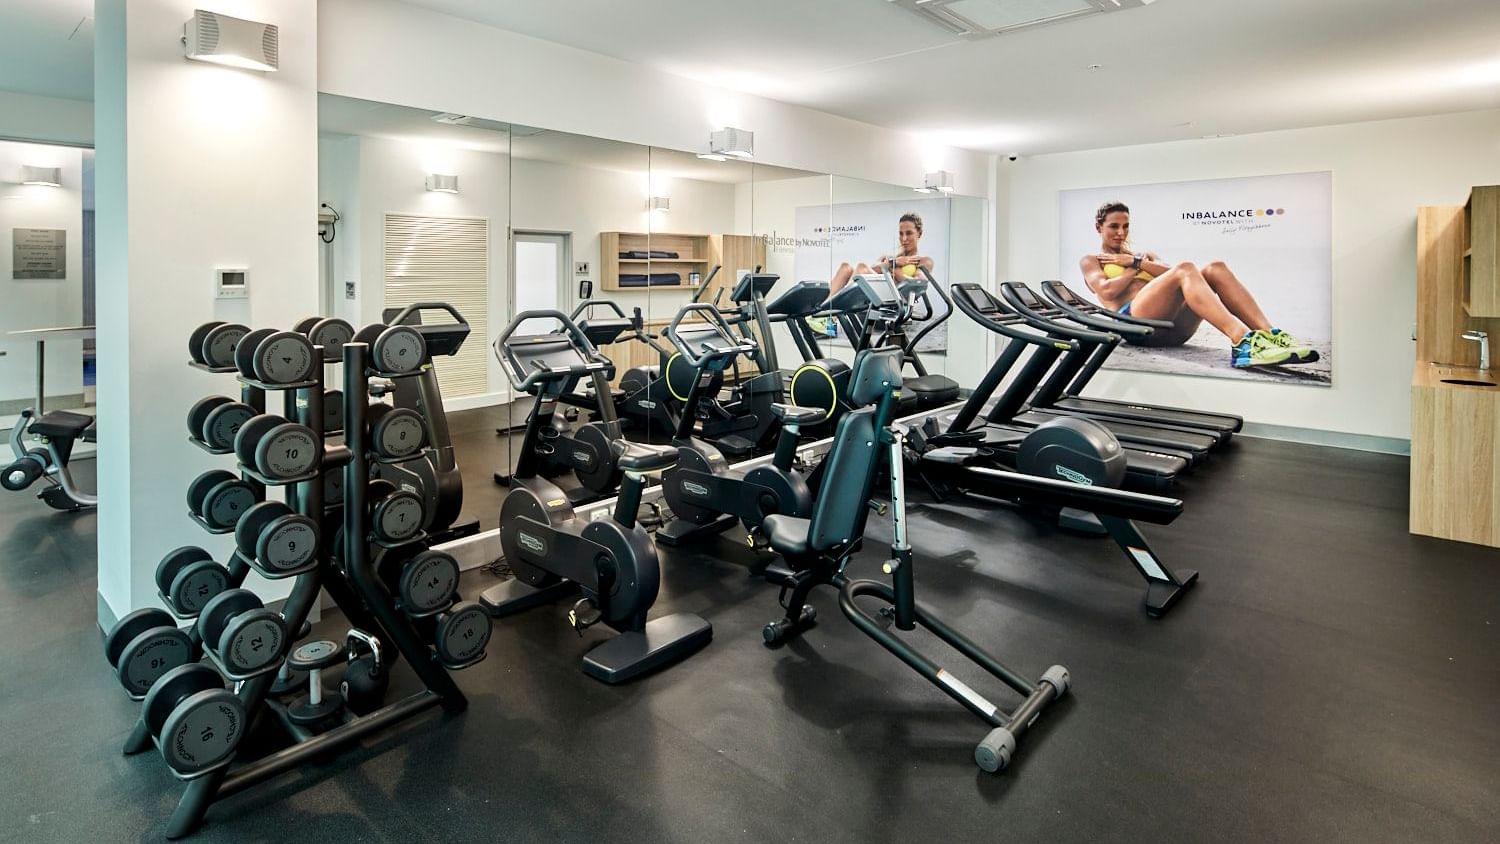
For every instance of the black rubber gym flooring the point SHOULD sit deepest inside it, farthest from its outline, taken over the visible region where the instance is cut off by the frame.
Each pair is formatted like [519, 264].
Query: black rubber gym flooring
[1331, 679]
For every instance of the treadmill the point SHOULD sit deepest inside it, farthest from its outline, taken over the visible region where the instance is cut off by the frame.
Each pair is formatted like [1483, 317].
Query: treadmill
[1062, 388]
[1148, 469]
[1020, 300]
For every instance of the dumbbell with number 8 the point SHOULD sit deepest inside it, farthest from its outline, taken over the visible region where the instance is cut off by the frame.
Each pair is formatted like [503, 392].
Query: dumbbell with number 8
[277, 448]
[246, 638]
[396, 514]
[396, 433]
[278, 541]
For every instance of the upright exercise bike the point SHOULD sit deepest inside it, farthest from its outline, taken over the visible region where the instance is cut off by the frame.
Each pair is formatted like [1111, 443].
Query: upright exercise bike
[551, 549]
[705, 494]
[817, 549]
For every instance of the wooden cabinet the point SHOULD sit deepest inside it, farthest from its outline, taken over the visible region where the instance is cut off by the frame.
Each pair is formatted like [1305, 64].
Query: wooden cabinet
[695, 254]
[1481, 252]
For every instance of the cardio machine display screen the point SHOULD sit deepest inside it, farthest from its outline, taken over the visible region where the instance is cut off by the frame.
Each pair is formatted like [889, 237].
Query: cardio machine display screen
[882, 288]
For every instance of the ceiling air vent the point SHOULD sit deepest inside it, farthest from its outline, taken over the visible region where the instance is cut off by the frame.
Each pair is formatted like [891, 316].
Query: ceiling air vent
[980, 18]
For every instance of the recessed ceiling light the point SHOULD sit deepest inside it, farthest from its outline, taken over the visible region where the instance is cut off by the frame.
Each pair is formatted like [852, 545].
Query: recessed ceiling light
[1096, 67]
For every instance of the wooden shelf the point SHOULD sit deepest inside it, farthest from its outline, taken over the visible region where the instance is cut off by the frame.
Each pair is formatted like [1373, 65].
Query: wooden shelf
[662, 260]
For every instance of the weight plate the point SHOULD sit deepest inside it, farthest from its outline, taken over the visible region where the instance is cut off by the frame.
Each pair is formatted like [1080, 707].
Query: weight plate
[287, 544]
[175, 686]
[150, 655]
[198, 414]
[244, 353]
[287, 451]
[196, 585]
[252, 641]
[175, 561]
[195, 340]
[250, 434]
[285, 357]
[428, 582]
[132, 625]
[222, 342]
[226, 502]
[224, 422]
[398, 516]
[331, 334]
[463, 633]
[202, 731]
[399, 432]
[398, 349]
[221, 608]
[333, 411]
[197, 491]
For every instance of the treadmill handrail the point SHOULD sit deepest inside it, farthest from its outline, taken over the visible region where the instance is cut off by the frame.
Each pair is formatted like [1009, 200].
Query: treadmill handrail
[1051, 326]
[1098, 319]
[1050, 288]
[932, 284]
[1013, 332]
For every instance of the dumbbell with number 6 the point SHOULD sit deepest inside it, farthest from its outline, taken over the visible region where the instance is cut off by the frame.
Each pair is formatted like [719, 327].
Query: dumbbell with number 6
[219, 498]
[394, 349]
[244, 637]
[277, 448]
[278, 541]
[196, 721]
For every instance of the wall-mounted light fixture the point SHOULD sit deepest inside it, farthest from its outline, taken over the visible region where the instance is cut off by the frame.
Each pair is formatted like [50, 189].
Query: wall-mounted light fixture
[659, 203]
[730, 143]
[46, 176]
[441, 183]
[221, 39]
[939, 182]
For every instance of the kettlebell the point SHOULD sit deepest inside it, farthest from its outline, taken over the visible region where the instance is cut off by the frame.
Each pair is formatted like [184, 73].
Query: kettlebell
[366, 677]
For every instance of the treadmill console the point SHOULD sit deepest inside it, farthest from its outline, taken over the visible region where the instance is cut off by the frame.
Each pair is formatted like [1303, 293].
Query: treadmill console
[879, 290]
[978, 298]
[753, 285]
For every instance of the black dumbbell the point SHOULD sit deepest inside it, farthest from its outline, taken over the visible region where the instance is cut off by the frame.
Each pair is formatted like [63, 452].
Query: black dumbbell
[287, 680]
[216, 419]
[460, 634]
[318, 707]
[396, 349]
[277, 448]
[220, 497]
[247, 638]
[333, 487]
[244, 353]
[333, 412]
[197, 723]
[214, 343]
[188, 578]
[396, 514]
[428, 583]
[366, 677]
[396, 433]
[278, 540]
[284, 357]
[330, 333]
[144, 645]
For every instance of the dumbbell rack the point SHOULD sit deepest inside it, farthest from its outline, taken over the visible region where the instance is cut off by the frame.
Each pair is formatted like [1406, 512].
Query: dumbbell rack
[359, 594]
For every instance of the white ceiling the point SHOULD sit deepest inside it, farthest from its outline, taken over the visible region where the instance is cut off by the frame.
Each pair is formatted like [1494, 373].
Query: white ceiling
[1176, 69]
[47, 48]
[346, 116]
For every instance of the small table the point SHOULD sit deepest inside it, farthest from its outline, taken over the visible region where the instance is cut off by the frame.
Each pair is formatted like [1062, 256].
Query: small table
[42, 335]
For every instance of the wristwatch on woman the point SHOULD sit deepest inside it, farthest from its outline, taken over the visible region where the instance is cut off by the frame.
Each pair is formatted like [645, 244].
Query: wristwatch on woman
[1136, 264]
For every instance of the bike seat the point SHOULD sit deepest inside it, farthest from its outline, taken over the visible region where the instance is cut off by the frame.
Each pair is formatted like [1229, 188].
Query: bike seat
[61, 425]
[638, 457]
[797, 415]
[787, 535]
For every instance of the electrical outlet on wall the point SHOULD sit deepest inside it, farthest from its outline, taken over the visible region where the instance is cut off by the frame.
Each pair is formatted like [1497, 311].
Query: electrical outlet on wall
[348, 290]
[581, 267]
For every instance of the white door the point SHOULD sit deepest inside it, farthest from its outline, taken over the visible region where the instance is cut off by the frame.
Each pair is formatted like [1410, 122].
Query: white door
[541, 272]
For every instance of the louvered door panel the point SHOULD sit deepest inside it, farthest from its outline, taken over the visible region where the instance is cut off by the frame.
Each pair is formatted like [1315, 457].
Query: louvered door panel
[444, 259]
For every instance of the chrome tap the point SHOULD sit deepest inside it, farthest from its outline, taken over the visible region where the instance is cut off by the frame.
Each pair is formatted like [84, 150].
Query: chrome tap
[1483, 339]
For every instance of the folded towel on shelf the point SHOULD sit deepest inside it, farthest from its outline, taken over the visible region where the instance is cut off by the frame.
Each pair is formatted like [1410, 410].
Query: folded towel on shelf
[652, 280]
[641, 254]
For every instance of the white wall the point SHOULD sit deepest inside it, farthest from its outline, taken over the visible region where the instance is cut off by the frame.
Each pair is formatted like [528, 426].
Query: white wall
[391, 52]
[34, 118]
[40, 303]
[1382, 172]
[198, 166]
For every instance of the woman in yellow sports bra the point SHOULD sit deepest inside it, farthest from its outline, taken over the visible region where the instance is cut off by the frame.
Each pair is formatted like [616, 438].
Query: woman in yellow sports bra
[902, 265]
[1140, 285]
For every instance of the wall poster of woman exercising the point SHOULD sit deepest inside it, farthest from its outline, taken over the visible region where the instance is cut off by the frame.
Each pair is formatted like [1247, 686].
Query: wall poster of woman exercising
[1242, 268]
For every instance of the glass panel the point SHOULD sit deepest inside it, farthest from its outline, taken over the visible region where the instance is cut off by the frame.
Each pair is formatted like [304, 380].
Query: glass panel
[968, 356]
[416, 208]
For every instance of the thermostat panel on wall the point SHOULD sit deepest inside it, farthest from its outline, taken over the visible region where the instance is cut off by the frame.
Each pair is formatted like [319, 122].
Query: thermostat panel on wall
[232, 283]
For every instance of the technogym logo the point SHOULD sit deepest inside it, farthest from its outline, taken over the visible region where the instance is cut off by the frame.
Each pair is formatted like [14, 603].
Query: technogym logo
[531, 543]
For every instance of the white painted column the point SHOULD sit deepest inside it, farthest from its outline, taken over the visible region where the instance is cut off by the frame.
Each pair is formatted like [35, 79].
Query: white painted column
[198, 167]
